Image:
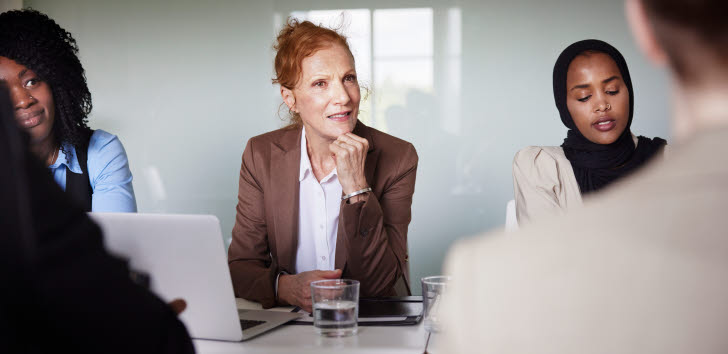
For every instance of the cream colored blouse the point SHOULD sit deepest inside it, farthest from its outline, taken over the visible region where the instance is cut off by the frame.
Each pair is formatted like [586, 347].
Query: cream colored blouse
[544, 182]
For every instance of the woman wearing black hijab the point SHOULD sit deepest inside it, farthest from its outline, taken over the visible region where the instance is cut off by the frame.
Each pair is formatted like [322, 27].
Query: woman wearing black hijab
[594, 96]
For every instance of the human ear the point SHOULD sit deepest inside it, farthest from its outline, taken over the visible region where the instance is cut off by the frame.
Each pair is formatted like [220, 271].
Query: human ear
[644, 33]
[288, 98]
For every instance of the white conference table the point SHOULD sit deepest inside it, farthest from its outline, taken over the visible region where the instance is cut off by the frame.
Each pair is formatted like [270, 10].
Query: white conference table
[303, 339]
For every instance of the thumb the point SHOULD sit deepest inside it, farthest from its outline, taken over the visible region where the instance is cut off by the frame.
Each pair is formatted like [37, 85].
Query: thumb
[331, 274]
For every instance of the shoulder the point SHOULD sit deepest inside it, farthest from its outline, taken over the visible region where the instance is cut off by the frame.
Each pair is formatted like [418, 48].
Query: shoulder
[539, 157]
[384, 140]
[543, 166]
[278, 135]
[261, 150]
[105, 146]
[285, 138]
[390, 145]
[107, 158]
[663, 151]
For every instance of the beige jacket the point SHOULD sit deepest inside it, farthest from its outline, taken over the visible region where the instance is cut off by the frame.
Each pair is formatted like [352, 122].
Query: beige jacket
[544, 183]
[642, 267]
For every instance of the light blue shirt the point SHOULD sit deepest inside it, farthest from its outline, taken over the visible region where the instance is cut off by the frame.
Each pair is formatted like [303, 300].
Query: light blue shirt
[108, 169]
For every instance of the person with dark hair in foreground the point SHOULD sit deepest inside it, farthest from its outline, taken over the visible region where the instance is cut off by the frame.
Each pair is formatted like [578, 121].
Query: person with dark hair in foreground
[39, 64]
[62, 292]
[642, 268]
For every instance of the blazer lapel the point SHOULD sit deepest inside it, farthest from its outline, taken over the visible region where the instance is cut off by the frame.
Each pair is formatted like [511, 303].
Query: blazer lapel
[285, 165]
[369, 168]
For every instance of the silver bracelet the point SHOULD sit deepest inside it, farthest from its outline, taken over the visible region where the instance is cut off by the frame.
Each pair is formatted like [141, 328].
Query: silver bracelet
[361, 191]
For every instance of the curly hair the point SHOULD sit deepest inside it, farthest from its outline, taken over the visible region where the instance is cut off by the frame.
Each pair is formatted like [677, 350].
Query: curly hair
[35, 41]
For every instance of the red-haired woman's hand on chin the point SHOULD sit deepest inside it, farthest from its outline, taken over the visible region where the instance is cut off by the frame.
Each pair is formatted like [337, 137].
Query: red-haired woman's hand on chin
[350, 153]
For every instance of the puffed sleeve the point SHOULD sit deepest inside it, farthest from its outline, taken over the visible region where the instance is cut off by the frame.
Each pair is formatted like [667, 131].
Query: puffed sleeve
[536, 184]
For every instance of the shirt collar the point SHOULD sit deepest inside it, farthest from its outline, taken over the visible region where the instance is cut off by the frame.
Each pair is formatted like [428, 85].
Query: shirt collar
[305, 162]
[305, 166]
[72, 165]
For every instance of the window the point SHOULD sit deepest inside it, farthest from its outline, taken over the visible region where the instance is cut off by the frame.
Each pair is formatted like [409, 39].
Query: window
[394, 50]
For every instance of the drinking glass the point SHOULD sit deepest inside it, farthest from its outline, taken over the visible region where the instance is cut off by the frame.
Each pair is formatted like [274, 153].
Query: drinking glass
[335, 307]
[432, 289]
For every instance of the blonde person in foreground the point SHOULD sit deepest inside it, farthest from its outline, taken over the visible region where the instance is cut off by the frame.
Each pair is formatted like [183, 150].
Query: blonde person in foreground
[642, 268]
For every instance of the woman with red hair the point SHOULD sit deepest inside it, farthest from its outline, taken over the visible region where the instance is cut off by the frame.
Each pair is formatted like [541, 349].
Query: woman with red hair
[325, 197]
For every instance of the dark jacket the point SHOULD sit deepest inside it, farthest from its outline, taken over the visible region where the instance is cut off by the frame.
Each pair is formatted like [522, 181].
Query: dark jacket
[61, 291]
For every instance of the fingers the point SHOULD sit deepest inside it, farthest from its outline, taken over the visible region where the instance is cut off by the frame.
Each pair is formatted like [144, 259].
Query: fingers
[342, 149]
[348, 141]
[330, 274]
[178, 305]
[363, 141]
[361, 145]
[306, 302]
[303, 293]
[348, 150]
[338, 150]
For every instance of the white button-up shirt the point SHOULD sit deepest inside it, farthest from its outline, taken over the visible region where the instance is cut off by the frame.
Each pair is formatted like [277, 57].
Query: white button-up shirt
[318, 216]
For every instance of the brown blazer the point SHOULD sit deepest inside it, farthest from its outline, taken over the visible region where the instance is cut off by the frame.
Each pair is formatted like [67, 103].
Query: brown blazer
[371, 243]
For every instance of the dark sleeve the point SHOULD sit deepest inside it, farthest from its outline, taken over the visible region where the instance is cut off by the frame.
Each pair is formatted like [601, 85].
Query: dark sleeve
[86, 294]
[376, 231]
[70, 294]
[252, 268]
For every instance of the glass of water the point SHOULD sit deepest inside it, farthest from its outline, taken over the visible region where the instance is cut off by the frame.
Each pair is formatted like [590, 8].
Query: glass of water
[335, 307]
[432, 289]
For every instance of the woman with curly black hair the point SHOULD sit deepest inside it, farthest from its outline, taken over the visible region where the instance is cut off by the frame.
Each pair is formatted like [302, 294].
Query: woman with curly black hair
[40, 67]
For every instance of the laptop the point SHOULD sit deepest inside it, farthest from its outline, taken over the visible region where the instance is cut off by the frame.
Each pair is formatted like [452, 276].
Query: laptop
[183, 256]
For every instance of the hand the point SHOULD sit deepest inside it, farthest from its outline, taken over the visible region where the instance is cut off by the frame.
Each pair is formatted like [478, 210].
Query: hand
[350, 153]
[296, 289]
[178, 305]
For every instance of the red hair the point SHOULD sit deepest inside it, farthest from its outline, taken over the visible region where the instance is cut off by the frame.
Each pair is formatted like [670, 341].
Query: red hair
[297, 41]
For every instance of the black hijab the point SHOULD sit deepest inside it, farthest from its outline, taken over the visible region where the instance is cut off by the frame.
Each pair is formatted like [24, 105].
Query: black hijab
[596, 165]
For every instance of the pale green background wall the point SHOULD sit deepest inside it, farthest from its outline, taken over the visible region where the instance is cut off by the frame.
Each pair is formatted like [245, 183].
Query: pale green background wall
[184, 84]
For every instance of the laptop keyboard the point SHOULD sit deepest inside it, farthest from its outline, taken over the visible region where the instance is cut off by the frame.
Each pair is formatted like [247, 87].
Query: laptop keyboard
[247, 324]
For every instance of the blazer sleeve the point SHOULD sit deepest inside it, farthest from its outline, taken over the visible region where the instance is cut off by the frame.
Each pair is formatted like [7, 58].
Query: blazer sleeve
[252, 268]
[535, 184]
[375, 231]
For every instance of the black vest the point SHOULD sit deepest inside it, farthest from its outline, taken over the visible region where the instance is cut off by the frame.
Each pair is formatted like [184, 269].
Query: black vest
[78, 186]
